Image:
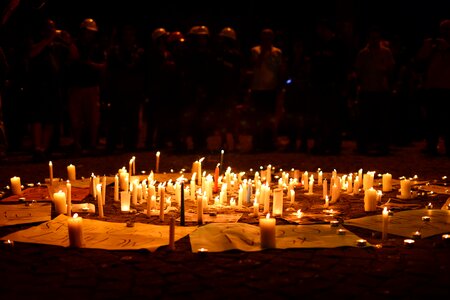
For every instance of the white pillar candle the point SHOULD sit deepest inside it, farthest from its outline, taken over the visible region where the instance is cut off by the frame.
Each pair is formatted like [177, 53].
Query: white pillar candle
[59, 200]
[335, 193]
[161, 202]
[320, 178]
[100, 201]
[130, 167]
[292, 194]
[16, 186]
[350, 183]
[267, 232]
[305, 181]
[405, 189]
[368, 180]
[370, 199]
[327, 202]
[193, 187]
[199, 174]
[69, 198]
[255, 207]
[157, 162]
[385, 222]
[71, 172]
[387, 182]
[356, 185]
[75, 226]
[116, 188]
[325, 189]
[200, 209]
[311, 185]
[125, 201]
[123, 175]
[277, 209]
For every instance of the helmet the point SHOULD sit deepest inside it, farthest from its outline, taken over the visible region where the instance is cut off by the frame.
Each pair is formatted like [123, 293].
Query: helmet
[228, 32]
[89, 24]
[159, 32]
[175, 36]
[199, 30]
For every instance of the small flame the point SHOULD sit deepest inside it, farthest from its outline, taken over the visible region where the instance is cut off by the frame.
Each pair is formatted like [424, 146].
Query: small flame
[158, 153]
[75, 215]
[268, 216]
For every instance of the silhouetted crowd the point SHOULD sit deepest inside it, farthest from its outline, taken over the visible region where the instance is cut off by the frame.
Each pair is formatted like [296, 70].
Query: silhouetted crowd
[184, 91]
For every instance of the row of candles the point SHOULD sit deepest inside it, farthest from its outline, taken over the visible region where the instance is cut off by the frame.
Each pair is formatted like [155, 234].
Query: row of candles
[143, 191]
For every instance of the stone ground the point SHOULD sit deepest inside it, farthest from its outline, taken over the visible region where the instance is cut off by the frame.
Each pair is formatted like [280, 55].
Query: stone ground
[41, 271]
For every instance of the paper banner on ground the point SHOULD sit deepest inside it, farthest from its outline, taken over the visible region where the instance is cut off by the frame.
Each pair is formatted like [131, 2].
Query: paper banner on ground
[12, 214]
[217, 237]
[218, 218]
[101, 235]
[42, 194]
[438, 189]
[404, 223]
[446, 205]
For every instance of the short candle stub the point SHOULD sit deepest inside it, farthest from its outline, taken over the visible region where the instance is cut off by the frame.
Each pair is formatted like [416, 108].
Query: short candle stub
[334, 223]
[361, 243]
[341, 231]
[416, 235]
[409, 243]
[8, 243]
[426, 219]
[446, 238]
[202, 252]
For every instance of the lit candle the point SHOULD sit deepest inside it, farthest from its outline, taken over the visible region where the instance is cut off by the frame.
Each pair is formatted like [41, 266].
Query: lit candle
[75, 226]
[277, 209]
[311, 184]
[161, 202]
[125, 201]
[292, 197]
[405, 189]
[370, 199]
[71, 172]
[134, 193]
[408, 243]
[16, 186]
[172, 234]
[59, 200]
[130, 167]
[157, 162]
[216, 178]
[116, 188]
[319, 178]
[387, 182]
[327, 202]
[69, 198]
[221, 158]
[341, 231]
[100, 201]
[267, 231]
[104, 189]
[199, 209]
[199, 174]
[182, 215]
[255, 207]
[385, 216]
[416, 235]
[361, 242]
[123, 175]
[325, 189]
[50, 168]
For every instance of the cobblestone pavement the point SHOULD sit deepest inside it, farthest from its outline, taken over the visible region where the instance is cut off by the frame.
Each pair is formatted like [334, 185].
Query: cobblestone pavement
[36, 271]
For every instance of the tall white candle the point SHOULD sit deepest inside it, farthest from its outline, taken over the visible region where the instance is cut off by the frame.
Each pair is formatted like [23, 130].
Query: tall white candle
[370, 199]
[100, 201]
[162, 196]
[134, 193]
[59, 199]
[75, 226]
[71, 172]
[325, 189]
[199, 174]
[104, 190]
[69, 198]
[125, 201]
[269, 174]
[311, 185]
[385, 222]
[158, 154]
[116, 188]
[200, 209]
[267, 232]
[277, 209]
[292, 194]
[16, 186]
[349, 184]
[387, 182]
[50, 169]
[405, 189]
[319, 178]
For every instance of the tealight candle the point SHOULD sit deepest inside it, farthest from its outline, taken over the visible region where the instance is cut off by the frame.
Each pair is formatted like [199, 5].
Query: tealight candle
[334, 223]
[267, 231]
[416, 235]
[408, 243]
[8, 243]
[202, 251]
[426, 218]
[341, 231]
[361, 243]
[430, 206]
[446, 237]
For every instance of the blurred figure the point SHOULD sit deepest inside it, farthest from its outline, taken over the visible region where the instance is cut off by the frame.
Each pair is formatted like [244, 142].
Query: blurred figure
[434, 56]
[125, 90]
[296, 121]
[374, 67]
[84, 79]
[329, 67]
[266, 85]
[199, 80]
[163, 94]
[229, 60]
[43, 86]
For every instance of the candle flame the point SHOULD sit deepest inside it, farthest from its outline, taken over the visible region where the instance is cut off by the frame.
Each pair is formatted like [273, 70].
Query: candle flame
[158, 153]
[268, 216]
[75, 215]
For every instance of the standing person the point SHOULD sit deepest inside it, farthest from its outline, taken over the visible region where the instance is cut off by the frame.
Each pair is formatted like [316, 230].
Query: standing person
[374, 67]
[125, 89]
[329, 67]
[266, 83]
[84, 80]
[434, 56]
[43, 86]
